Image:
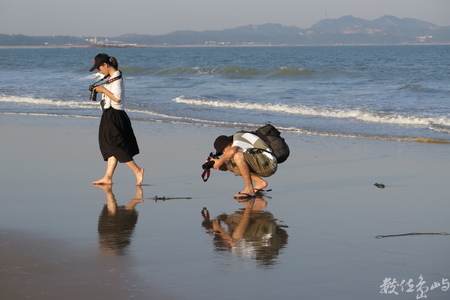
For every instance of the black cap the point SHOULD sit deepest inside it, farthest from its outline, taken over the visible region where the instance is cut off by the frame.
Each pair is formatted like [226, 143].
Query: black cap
[99, 60]
[221, 142]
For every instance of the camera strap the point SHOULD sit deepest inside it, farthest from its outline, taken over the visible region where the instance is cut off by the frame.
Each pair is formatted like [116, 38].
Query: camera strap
[205, 175]
[114, 79]
[95, 83]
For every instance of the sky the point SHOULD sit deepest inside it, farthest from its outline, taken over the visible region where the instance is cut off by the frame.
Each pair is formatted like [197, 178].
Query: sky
[116, 17]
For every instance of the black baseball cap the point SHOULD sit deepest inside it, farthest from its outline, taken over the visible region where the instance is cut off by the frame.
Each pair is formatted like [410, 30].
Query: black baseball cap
[221, 142]
[99, 60]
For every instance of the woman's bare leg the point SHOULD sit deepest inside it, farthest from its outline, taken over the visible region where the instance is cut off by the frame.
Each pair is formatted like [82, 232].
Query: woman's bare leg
[138, 172]
[111, 165]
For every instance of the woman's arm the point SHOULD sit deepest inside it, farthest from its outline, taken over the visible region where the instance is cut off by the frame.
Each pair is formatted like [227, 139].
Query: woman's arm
[108, 93]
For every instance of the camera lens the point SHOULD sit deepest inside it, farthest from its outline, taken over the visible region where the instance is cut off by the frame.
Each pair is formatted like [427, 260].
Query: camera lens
[93, 96]
[208, 165]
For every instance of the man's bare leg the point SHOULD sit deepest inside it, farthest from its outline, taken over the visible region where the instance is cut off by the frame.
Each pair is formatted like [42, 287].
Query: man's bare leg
[259, 182]
[111, 165]
[246, 175]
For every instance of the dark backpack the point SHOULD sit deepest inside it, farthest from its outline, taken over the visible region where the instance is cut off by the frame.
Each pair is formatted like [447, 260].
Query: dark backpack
[273, 139]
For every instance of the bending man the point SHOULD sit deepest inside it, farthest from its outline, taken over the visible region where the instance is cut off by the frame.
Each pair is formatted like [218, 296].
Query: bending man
[246, 155]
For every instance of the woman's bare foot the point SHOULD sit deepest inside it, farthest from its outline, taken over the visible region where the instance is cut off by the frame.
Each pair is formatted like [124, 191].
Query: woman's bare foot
[140, 176]
[102, 181]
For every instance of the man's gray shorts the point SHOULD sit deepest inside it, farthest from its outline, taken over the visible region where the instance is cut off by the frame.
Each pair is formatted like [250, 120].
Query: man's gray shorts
[258, 162]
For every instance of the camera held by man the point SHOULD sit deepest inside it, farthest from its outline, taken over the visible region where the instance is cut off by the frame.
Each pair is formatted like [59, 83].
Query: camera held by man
[208, 165]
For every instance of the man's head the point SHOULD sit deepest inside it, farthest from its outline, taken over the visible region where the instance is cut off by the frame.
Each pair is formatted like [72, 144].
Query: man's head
[221, 142]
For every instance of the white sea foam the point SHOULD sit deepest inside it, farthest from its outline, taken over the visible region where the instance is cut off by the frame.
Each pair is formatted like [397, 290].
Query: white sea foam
[357, 114]
[50, 102]
[95, 105]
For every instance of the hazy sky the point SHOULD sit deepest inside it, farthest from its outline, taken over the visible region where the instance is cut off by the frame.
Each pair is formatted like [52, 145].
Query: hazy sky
[115, 17]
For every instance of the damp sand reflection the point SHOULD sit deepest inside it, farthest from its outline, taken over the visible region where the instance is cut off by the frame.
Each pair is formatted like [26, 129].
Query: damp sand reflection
[116, 223]
[251, 232]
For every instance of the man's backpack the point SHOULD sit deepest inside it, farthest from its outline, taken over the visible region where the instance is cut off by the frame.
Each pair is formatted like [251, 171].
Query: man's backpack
[273, 139]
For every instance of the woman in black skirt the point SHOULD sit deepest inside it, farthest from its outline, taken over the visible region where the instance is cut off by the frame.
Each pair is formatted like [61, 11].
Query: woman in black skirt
[116, 137]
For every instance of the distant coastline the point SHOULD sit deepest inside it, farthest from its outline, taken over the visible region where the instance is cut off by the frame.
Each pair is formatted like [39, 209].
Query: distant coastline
[215, 46]
[348, 30]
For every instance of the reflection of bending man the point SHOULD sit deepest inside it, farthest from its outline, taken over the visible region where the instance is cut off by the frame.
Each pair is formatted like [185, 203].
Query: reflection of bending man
[249, 232]
[116, 223]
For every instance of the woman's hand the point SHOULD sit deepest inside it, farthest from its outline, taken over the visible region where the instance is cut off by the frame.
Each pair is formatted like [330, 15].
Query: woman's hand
[100, 89]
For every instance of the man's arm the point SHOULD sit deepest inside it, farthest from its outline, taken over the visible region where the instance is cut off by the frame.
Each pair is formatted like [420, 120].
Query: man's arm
[219, 164]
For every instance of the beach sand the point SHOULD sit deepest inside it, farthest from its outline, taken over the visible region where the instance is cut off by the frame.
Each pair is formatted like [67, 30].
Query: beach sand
[324, 211]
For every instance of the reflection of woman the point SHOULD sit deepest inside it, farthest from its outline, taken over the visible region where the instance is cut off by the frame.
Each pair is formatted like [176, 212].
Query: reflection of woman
[249, 233]
[116, 223]
[116, 137]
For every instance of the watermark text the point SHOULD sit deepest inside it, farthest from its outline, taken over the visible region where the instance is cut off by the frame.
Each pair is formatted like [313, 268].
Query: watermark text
[421, 287]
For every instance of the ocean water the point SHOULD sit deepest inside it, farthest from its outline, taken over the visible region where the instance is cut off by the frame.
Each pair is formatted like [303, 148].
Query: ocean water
[379, 92]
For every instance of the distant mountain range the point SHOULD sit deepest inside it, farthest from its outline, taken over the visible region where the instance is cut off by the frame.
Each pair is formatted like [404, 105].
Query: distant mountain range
[348, 30]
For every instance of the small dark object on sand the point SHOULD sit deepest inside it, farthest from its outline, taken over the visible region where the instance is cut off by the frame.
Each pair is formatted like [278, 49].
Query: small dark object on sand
[156, 198]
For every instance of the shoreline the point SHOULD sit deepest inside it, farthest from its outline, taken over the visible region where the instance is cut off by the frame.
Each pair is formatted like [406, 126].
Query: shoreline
[300, 132]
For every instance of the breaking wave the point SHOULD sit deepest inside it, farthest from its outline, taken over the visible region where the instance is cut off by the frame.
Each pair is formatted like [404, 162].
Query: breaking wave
[357, 114]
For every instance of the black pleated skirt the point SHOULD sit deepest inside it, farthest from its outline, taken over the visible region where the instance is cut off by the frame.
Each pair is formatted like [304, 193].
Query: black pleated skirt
[116, 137]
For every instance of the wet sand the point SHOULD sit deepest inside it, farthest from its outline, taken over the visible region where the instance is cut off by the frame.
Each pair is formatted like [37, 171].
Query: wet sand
[324, 214]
